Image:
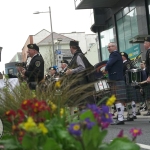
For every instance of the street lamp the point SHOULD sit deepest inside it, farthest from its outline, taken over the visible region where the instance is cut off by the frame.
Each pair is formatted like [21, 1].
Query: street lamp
[37, 12]
[0, 53]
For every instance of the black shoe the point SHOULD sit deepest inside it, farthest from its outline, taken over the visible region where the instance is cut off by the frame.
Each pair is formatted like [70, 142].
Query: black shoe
[129, 119]
[118, 123]
[134, 117]
[148, 114]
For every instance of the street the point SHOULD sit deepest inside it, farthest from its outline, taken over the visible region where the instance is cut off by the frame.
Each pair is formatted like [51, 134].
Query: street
[141, 122]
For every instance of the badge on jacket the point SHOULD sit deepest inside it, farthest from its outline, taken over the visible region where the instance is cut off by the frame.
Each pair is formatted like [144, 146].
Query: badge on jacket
[128, 66]
[37, 63]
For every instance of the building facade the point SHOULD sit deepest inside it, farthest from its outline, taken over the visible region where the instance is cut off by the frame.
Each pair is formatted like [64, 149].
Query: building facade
[33, 39]
[125, 22]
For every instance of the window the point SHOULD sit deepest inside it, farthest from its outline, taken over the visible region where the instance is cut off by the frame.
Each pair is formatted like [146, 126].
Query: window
[107, 36]
[127, 26]
[11, 71]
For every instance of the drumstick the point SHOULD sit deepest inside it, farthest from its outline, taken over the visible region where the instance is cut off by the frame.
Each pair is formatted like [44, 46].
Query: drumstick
[142, 82]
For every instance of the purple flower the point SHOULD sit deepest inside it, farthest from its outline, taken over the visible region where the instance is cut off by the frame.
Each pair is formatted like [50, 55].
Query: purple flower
[120, 133]
[105, 115]
[88, 123]
[75, 129]
[94, 108]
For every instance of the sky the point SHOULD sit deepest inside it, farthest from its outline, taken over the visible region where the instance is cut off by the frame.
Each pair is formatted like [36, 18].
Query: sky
[17, 22]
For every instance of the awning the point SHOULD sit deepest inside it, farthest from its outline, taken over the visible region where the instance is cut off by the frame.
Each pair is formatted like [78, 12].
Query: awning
[89, 4]
[138, 39]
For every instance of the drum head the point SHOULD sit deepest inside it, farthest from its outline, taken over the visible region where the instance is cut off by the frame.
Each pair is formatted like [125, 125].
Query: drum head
[99, 67]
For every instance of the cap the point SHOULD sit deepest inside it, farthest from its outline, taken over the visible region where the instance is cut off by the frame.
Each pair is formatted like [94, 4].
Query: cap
[33, 46]
[64, 61]
[74, 43]
[52, 68]
[125, 55]
[147, 39]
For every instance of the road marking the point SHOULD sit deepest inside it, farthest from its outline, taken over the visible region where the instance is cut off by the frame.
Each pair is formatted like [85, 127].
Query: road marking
[144, 146]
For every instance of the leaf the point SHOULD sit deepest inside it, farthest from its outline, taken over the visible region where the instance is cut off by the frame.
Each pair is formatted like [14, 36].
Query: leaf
[10, 144]
[29, 142]
[87, 114]
[122, 144]
[51, 144]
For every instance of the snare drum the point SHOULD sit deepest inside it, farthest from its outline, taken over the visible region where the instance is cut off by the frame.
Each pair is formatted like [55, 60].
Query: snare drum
[133, 76]
[101, 85]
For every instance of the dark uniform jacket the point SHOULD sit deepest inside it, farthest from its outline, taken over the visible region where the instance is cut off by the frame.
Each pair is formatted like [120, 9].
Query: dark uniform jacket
[148, 62]
[87, 75]
[35, 71]
[115, 67]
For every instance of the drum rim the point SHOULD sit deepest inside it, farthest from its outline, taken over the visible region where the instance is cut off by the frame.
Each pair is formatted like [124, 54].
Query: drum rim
[134, 70]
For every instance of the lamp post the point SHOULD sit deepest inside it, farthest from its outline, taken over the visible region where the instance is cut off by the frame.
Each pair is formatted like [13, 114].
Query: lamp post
[0, 53]
[37, 12]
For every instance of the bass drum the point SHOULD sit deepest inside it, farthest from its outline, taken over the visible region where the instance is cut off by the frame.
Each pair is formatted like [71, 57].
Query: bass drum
[98, 69]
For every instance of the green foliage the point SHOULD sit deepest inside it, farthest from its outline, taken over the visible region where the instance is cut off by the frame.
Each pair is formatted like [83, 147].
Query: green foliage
[57, 137]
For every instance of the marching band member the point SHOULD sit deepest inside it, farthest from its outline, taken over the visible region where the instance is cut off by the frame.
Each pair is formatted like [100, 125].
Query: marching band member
[53, 73]
[131, 93]
[117, 84]
[147, 62]
[35, 70]
[64, 65]
[77, 66]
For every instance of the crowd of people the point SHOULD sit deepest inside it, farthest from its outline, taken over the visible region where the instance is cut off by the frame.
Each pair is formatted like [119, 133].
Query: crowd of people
[119, 69]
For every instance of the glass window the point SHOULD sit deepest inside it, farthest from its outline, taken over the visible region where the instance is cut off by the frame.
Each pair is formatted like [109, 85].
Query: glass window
[148, 2]
[121, 34]
[134, 27]
[127, 28]
[125, 10]
[11, 71]
[119, 15]
[132, 5]
[107, 36]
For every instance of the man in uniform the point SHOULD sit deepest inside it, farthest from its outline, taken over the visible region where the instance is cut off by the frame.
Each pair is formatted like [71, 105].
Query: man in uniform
[79, 71]
[131, 91]
[64, 65]
[114, 67]
[35, 70]
[53, 73]
[147, 62]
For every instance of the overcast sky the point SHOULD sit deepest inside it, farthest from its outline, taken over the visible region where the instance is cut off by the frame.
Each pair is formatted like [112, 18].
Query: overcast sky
[17, 22]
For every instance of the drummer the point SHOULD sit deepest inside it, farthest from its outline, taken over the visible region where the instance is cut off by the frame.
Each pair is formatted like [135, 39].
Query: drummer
[114, 67]
[131, 92]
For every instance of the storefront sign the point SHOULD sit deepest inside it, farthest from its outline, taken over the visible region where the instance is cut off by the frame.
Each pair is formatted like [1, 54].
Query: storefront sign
[134, 51]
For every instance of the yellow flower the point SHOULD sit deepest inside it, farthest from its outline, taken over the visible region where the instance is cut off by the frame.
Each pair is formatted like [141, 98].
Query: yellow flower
[61, 112]
[57, 84]
[111, 100]
[29, 124]
[42, 127]
[53, 107]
